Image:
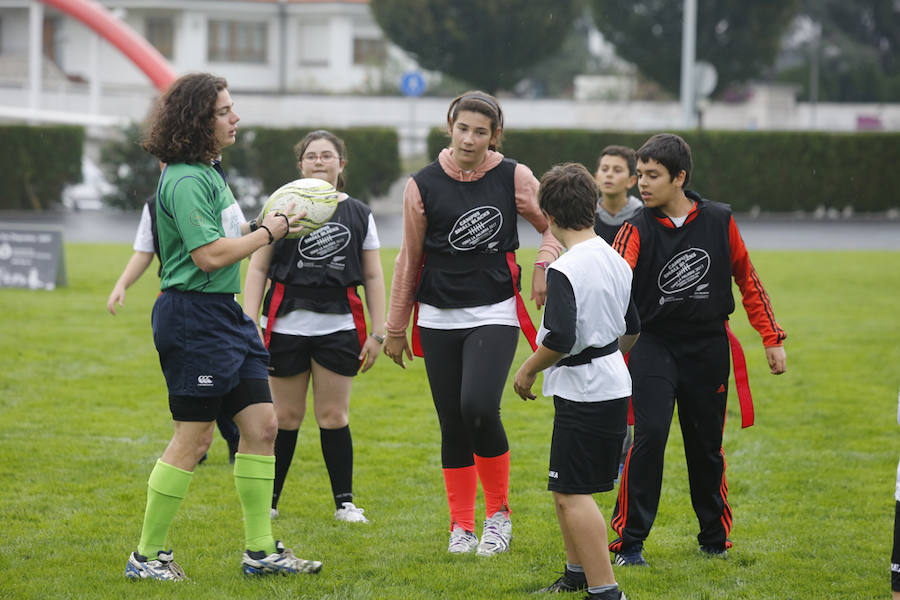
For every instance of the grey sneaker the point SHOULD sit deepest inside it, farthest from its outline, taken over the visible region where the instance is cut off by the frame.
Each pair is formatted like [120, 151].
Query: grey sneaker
[461, 541]
[496, 535]
[280, 562]
[162, 567]
[351, 513]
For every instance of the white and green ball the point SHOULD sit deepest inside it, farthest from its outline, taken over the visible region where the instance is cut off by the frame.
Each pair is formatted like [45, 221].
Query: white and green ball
[315, 196]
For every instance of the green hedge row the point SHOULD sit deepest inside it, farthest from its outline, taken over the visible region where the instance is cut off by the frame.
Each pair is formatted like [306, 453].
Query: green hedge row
[266, 154]
[38, 162]
[772, 171]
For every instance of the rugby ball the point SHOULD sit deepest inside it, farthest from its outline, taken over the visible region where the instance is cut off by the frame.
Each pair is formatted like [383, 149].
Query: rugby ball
[315, 196]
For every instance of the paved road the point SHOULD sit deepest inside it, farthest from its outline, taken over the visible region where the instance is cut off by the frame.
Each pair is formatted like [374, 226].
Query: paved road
[761, 233]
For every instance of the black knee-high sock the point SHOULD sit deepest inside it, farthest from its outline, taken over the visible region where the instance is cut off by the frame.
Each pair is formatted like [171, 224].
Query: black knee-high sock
[895, 553]
[337, 450]
[285, 444]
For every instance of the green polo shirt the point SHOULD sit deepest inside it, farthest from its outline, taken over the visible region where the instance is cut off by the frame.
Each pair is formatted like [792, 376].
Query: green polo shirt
[195, 207]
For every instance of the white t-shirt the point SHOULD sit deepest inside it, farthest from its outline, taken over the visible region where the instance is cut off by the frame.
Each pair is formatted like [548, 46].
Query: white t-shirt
[143, 239]
[501, 313]
[309, 323]
[600, 283]
[232, 219]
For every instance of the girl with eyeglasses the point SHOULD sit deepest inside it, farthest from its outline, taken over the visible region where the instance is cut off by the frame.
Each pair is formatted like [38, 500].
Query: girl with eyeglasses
[313, 322]
[456, 270]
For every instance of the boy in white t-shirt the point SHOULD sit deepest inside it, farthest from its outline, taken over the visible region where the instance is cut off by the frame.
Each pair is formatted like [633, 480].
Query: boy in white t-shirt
[589, 321]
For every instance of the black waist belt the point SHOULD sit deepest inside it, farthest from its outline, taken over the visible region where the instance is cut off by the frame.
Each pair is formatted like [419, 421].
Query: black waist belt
[588, 354]
[315, 292]
[467, 262]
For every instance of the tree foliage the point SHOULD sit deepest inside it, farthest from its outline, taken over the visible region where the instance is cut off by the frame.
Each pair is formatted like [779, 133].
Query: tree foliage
[858, 50]
[741, 39]
[131, 170]
[489, 45]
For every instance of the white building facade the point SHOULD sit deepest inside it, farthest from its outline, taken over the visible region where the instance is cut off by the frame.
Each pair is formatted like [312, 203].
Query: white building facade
[287, 46]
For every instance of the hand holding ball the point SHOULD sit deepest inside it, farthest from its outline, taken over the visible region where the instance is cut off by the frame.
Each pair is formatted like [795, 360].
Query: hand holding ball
[312, 201]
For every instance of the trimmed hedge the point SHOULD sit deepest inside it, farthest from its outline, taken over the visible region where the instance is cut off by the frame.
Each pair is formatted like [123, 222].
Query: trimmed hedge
[38, 162]
[267, 154]
[771, 171]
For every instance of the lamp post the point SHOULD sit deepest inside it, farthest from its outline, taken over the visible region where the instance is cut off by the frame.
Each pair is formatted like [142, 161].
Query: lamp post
[688, 57]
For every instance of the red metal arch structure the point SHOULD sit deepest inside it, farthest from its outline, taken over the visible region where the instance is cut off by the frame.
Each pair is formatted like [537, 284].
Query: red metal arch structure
[135, 47]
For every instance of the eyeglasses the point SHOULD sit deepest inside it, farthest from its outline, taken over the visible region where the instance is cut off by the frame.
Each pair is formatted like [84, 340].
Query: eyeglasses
[325, 157]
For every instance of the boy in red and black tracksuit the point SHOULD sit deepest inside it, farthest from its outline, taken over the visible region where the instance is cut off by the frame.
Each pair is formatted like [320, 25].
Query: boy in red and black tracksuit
[684, 251]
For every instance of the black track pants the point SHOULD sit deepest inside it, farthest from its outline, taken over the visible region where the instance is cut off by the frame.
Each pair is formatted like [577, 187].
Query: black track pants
[693, 374]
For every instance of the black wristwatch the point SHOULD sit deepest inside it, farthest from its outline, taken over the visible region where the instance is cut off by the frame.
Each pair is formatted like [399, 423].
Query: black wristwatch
[253, 225]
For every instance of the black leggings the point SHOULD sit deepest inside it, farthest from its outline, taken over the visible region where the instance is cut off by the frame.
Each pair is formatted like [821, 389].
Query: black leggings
[467, 370]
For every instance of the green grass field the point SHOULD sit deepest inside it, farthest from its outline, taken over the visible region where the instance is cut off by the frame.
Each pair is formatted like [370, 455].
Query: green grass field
[83, 417]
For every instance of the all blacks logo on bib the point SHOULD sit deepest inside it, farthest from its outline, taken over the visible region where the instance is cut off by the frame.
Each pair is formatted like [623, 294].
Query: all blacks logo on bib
[475, 227]
[685, 270]
[327, 240]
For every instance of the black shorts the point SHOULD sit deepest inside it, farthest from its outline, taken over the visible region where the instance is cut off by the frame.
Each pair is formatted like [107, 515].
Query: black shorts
[292, 354]
[586, 445]
[206, 343]
[209, 408]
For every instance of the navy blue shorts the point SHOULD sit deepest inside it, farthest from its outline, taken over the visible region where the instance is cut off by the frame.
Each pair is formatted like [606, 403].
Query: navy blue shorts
[292, 354]
[586, 445]
[206, 343]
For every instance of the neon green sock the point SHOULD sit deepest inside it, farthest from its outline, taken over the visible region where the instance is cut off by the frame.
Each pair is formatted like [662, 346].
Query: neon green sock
[254, 477]
[166, 488]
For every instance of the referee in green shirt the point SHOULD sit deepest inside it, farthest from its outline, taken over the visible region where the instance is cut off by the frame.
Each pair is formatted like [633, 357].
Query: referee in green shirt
[210, 352]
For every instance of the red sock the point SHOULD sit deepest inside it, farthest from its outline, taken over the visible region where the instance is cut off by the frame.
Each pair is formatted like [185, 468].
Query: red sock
[462, 485]
[494, 475]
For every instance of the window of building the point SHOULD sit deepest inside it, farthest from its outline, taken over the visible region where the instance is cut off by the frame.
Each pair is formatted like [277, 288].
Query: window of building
[237, 42]
[314, 43]
[50, 31]
[160, 32]
[368, 51]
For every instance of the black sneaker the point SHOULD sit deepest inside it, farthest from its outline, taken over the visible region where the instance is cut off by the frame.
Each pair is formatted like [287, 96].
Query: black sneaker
[631, 558]
[569, 582]
[615, 594]
[716, 551]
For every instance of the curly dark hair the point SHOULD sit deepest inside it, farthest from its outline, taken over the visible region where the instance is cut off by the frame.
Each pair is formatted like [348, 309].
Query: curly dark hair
[181, 126]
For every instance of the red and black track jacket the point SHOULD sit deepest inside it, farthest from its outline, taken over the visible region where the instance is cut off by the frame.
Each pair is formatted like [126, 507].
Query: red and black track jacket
[682, 275]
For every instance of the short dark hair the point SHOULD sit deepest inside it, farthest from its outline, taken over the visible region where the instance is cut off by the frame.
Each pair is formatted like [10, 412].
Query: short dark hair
[480, 102]
[670, 151]
[182, 123]
[322, 134]
[621, 151]
[568, 193]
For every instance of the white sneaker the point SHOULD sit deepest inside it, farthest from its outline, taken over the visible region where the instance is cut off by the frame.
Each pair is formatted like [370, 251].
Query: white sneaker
[162, 567]
[350, 513]
[280, 562]
[496, 535]
[273, 514]
[462, 541]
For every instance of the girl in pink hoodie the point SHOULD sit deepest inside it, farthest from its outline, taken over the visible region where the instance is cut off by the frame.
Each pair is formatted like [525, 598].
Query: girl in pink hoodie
[456, 270]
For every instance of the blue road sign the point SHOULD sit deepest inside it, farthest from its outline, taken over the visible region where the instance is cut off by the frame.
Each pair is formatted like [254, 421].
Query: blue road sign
[412, 84]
